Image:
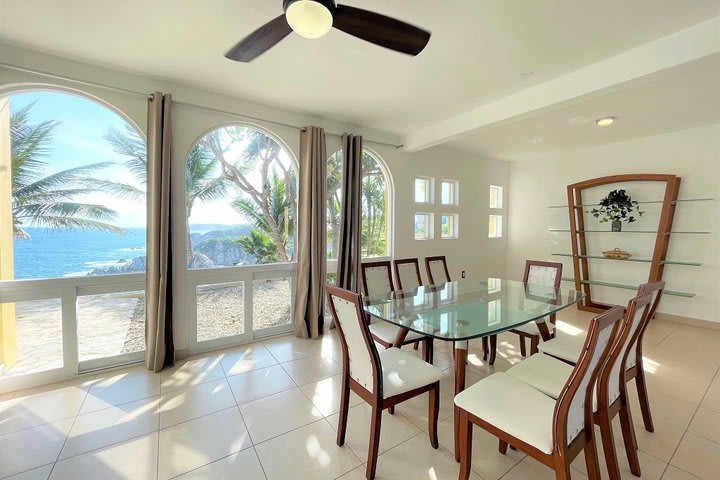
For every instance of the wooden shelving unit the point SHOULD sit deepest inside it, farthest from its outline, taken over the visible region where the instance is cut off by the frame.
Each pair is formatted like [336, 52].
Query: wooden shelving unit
[581, 256]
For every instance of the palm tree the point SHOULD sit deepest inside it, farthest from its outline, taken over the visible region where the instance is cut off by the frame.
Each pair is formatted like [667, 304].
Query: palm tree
[274, 218]
[49, 200]
[200, 170]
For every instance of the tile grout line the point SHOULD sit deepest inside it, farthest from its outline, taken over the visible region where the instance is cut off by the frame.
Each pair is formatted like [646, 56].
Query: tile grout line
[687, 429]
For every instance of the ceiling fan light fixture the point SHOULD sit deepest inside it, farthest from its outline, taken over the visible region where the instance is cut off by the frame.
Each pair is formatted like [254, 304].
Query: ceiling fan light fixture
[309, 18]
[605, 121]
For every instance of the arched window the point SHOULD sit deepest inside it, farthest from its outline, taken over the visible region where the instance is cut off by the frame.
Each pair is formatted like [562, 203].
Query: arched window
[375, 219]
[73, 205]
[78, 188]
[241, 199]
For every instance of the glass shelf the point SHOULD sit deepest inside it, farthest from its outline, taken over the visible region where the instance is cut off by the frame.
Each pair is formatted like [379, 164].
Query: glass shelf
[643, 260]
[630, 231]
[626, 287]
[674, 202]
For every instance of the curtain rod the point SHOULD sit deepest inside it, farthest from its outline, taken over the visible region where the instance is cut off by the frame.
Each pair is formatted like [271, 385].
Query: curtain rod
[18, 68]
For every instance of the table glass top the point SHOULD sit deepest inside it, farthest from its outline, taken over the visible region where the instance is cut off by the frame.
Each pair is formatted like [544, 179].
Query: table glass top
[469, 309]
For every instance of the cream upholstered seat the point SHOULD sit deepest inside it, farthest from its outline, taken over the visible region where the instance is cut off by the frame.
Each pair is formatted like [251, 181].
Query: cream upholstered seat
[512, 406]
[403, 371]
[564, 347]
[387, 332]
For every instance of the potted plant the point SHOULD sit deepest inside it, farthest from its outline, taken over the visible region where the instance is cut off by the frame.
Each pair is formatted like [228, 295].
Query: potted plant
[618, 208]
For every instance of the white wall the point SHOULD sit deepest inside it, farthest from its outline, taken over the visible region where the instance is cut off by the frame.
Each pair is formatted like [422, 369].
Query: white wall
[472, 251]
[692, 154]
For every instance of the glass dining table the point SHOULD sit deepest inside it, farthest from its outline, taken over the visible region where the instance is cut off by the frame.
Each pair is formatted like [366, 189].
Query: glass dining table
[463, 310]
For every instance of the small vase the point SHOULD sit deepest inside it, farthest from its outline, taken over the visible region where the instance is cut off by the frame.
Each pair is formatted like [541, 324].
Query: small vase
[617, 226]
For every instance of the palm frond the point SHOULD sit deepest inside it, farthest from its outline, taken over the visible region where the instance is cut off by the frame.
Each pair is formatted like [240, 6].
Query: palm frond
[128, 143]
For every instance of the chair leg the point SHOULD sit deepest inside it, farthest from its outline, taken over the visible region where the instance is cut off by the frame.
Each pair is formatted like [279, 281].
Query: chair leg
[644, 398]
[523, 351]
[391, 410]
[628, 431]
[375, 422]
[485, 348]
[608, 442]
[466, 431]
[591, 459]
[344, 407]
[433, 414]
[427, 350]
[502, 446]
[415, 345]
[562, 469]
[493, 349]
[534, 343]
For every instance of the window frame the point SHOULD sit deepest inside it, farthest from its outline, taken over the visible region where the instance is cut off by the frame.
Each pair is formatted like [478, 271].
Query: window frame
[454, 231]
[430, 226]
[429, 194]
[454, 186]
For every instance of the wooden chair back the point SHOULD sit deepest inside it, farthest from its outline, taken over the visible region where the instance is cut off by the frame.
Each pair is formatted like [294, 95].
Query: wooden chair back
[407, 273]
[612, 374]
[361, 361]
[543, 273]
[656, 290]
[377, 278]
[574, 411]
[437, 270]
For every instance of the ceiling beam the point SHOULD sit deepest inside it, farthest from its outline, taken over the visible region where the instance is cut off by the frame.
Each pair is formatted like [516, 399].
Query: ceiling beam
[672, 50]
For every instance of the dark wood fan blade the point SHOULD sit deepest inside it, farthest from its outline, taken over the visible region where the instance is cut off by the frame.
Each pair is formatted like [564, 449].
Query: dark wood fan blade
[260, 40]
[380, 30]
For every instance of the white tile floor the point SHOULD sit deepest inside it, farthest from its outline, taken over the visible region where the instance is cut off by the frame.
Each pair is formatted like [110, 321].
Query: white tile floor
[269, 411]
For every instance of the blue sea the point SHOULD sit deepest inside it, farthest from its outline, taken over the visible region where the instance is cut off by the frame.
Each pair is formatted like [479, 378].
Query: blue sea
[52, 254]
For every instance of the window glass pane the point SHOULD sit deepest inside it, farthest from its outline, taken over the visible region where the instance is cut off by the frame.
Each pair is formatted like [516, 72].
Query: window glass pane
[423, 226]
[77, 188]
[38, 339]
[495, 226]
[423, 188]
[241, 199]
[374, 203]
[448, 226]
[448, 195]
[220, 310]
[111, 324]
[271, 303]
[496, 196]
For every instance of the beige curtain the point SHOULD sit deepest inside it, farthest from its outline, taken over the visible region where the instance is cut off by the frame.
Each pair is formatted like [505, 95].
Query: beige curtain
[311, 240]
[349, 251]
[158, 289]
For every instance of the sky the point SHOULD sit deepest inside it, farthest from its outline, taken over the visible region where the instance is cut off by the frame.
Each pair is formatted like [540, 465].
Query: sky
[79, 140]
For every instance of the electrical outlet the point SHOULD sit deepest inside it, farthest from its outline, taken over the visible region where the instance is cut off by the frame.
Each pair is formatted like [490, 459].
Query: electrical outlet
[463, 274]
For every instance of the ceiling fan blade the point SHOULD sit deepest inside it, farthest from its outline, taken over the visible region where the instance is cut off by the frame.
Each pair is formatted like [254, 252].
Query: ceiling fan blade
[380, 30]
[260, 40]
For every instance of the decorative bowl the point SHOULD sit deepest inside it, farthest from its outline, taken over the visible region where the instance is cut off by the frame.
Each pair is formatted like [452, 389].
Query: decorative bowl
[617, 254]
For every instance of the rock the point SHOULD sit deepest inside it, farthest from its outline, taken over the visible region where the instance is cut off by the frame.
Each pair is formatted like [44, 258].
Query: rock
[221, 251]
[200, 261]
[137, 264]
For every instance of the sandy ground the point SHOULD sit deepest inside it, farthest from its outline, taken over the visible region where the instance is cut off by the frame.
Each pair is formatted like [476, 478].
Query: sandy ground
[112, 324]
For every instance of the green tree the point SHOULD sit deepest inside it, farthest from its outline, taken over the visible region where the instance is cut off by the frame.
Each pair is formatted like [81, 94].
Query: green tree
[201, 179]
[50, 200]
[333, 189]
[271, 202]
[259, 245]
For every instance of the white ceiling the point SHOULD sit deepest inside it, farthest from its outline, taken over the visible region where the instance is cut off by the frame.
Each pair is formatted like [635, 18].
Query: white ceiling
[478, 52]
[678, 98]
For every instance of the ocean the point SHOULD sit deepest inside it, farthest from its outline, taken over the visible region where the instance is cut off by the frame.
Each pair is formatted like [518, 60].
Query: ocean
[53, 254]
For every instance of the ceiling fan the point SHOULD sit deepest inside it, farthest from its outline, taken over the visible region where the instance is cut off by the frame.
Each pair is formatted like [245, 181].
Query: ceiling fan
[315, 18]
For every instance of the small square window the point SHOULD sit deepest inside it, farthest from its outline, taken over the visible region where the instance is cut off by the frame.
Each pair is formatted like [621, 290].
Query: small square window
[449, 192]
[495, 226]
[423, 190]
[423, 226]
[496, 196]
[449, 226]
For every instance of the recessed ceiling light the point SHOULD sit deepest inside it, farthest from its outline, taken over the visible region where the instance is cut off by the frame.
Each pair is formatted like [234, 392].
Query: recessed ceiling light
[605, 122]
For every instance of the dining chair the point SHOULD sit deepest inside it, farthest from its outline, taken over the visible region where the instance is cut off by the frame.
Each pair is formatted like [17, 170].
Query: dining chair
[567, 348]
[407, 273]
[438, 273]
[377, 280]
[548, 375]
[547, 274]
[383, 379]
[437, 270]
[551, 431]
